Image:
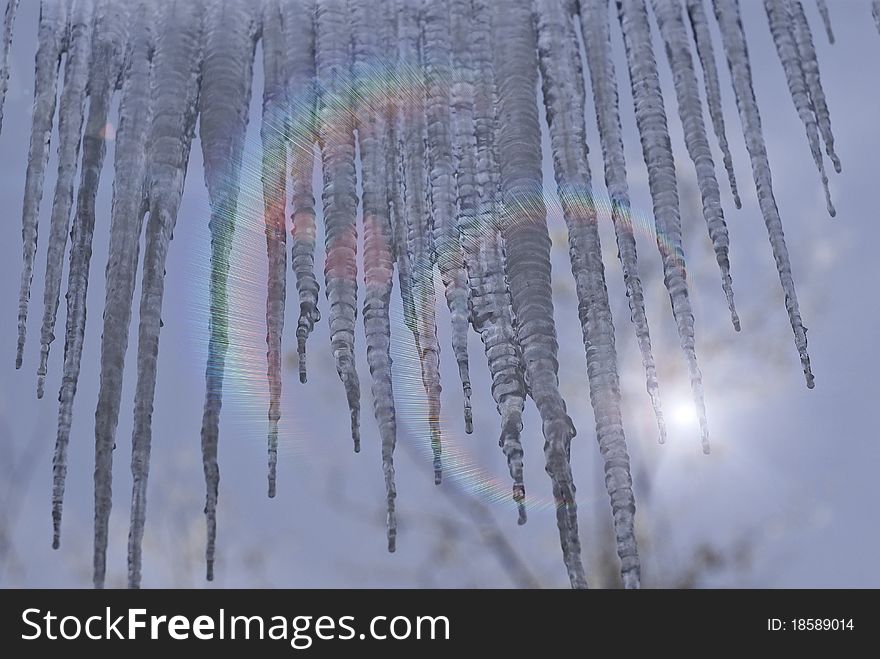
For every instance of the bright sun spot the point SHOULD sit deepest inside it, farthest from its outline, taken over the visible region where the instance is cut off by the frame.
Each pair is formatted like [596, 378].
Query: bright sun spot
[684, 414]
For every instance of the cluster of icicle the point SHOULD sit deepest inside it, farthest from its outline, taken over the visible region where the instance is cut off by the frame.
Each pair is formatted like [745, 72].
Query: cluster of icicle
[438, 99]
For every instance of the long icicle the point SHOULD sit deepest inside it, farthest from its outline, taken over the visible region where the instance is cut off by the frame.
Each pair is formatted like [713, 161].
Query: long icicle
[396, 160]
[412, 133]
[527, 244]
[810, 64]
[52, 40]
[727, 13]
[71, 112]
[565, 100]
[129, 208]
[706, 52]
[108, 52]
[441, 165]
[227, 72]
[371, 122]
[300, 35]
[491, 313]
[783, 36]
[690, 111]
[336, 132]
[176, 68]
[826, 19]
[274, 175]
[5, 48]
[657, 150]
[597, 41]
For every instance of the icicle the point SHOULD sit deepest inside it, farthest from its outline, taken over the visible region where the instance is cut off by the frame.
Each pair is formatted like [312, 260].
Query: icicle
[227, 72]
[491, 313]
[657, 149]
[783, 36]
[70, 125]
[371, 123]
[447, 251]
[52, 40]
[333, 65]
[300, 34]
[728, 15]
[397, 124]
[129, 208]
[527, 243]
[565, 98]
[690, 110]
[176, 68]
[703, 39]
[108, 51]
[273, 136]
[411, 131]
[5, 48]
[810, 65]
[597, 41]
[875, 12]
[826, 19]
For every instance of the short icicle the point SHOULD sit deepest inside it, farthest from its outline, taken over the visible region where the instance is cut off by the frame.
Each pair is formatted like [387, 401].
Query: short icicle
[782, 29]
[706, 52]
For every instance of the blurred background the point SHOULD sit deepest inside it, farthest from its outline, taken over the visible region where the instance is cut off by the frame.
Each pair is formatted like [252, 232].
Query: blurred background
[786, 499]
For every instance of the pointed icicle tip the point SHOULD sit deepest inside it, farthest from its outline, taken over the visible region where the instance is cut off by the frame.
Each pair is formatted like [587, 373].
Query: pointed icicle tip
[301, 352]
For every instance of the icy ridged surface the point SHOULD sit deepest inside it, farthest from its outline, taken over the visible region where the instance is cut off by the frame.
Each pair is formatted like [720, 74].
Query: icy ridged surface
[336, 133]
[706, 52]
[127, 216]
[51, 44]
[71, 111]
[690, 110]
[5, 47]
[527, 245]
[372, 124]
[597, 41]
[491, 313]
[224, 100]
[176, 67]
[441, 167]
[727, 13]
[657, 150]
[782, 28]
[564, 98]
[108, 52]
